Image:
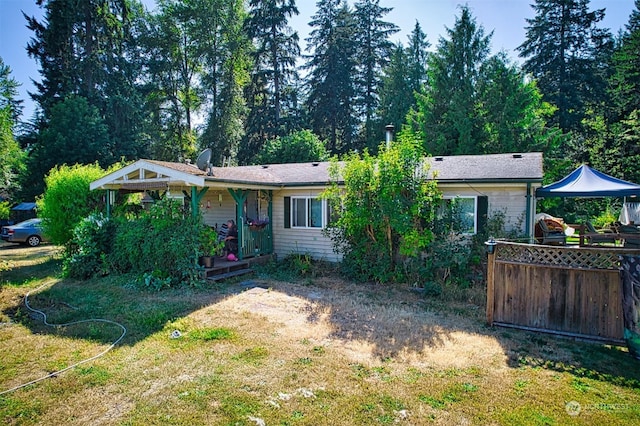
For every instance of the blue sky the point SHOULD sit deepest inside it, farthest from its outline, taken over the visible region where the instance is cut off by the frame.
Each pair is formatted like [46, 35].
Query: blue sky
[506, 18]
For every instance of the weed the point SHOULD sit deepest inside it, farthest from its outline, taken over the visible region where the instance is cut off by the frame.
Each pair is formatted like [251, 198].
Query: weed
[304, 361]
[212, 334]
[252, 355]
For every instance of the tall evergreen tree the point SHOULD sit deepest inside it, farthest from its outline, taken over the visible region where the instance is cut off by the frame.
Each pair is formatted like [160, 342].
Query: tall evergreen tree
[511, 109]
[446, 115]
[174, 62]
[86, 50]
[417, 56]
[218, 32]
[11, 156]
[331, 79]
[624, 85]
[396, 93]
[563, 51]
[373, 52]
[276, 52]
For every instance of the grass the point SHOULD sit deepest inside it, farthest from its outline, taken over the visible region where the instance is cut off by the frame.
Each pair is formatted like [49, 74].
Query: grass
[312, 352]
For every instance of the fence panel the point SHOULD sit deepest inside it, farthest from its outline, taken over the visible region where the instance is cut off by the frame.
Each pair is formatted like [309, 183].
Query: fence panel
[571, 291]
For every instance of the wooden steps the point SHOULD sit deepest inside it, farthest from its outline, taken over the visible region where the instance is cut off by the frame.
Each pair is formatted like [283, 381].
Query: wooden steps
[224, 269]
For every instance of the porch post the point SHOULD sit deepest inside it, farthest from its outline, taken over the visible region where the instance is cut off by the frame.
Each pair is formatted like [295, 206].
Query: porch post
[196, 197]
[108, 203]
[239, 196]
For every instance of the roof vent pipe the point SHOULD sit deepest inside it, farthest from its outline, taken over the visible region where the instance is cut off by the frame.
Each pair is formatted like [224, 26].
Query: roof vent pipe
[389, 131]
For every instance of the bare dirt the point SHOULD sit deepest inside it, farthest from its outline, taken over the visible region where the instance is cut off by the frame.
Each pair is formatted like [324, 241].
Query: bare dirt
[368, 322]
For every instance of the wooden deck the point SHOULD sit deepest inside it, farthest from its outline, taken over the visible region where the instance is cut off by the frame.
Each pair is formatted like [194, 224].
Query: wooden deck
[224, 269]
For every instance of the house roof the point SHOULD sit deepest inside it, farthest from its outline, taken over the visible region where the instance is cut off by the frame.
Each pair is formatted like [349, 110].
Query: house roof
[490, 168]
[525, 167]
[460, 168]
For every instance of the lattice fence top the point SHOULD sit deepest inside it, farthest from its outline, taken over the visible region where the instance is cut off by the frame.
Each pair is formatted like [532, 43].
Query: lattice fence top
[561, 256]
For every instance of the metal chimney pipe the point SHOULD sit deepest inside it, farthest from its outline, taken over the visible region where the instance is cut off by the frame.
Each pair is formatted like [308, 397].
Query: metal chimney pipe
[389, 129]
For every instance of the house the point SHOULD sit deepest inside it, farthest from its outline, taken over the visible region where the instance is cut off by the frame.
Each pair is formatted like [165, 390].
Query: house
[280, 210]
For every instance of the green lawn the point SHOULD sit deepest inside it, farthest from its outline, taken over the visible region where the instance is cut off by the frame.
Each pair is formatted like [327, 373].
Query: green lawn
[319, 351]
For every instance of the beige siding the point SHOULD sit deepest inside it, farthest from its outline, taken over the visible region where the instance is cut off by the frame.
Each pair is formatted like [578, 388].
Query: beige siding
[508, 198]
[296, 240]
[218, 212]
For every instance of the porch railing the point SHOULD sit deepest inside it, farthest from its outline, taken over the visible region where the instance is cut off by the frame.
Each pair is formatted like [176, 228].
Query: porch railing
[256, 241]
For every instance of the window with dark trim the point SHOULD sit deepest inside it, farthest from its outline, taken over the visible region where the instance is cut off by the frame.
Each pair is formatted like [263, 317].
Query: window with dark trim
[304, 212]
[463, 214]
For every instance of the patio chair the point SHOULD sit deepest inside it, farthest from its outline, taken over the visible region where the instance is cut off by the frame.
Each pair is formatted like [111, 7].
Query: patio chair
[631, 236]
[551, 236]
[222, 232]
[595, 236]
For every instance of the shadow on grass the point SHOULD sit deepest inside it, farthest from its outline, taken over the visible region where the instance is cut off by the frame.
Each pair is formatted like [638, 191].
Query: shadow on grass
[388, 319]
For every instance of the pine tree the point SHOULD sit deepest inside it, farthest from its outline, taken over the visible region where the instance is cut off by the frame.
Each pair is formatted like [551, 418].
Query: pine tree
[218, 31]
[511, 109]
[446, 115]
[373, 53]
[11, 157]
[396, 93]
[624, 84]
[417, 56]
[564, 51]
[276, 51]
[86, 48]
[331, 80]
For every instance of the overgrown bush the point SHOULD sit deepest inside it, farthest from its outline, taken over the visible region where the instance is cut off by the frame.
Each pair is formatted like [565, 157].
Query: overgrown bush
[67, 199]
[161, 246]
[387, 208]
[92, 240]
[4, 210]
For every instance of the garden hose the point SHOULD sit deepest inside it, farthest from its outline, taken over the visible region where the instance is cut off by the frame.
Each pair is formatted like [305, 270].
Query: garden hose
[44, 320]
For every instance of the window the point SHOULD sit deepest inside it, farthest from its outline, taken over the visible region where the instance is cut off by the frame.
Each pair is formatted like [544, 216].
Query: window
[304, 212]
[459, 214]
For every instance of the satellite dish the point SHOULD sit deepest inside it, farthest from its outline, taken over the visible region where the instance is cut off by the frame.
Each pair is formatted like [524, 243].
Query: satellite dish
[204, 160]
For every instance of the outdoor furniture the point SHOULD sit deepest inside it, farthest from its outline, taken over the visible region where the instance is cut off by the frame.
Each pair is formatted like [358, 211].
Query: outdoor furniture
[631, 236]
[222, 232]
[594, 236]
[551, 235]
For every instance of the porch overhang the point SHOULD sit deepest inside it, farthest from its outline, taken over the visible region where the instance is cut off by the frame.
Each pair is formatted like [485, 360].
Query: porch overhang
[149, 175]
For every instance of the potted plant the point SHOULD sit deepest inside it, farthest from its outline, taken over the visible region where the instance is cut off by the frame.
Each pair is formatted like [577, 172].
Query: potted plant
[208, 246]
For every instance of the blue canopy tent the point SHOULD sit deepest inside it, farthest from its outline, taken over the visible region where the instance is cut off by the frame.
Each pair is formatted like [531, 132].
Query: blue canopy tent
[589, 183]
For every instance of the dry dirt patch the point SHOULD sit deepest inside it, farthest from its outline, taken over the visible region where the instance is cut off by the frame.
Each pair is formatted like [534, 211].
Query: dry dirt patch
[366, 323]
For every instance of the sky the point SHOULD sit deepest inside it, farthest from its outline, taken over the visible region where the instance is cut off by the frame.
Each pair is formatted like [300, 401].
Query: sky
[506, 18]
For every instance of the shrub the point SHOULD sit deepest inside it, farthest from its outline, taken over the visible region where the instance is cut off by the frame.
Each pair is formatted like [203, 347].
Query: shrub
[161, 246]
[4, 210]
[67, 200]
[92, 240]
[387, 209]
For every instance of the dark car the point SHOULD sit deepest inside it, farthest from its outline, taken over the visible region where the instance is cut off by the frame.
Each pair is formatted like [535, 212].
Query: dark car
[28, 232]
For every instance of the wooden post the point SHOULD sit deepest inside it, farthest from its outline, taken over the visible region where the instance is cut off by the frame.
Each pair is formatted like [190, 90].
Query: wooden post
[491, 257]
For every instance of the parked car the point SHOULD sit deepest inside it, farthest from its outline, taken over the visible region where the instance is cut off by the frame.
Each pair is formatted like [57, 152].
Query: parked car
[28, 232]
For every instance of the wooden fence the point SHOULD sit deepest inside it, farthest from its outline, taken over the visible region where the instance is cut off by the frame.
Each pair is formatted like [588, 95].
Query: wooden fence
[572, 291]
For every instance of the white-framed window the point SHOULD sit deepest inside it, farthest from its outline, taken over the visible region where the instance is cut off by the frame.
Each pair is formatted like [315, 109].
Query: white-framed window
[459, 214]
[307, 212]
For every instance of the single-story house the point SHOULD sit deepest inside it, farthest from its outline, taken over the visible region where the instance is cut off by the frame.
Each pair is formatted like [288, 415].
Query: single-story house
[278, 210]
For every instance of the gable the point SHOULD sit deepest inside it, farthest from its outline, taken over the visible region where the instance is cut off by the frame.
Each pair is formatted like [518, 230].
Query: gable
[147, 174]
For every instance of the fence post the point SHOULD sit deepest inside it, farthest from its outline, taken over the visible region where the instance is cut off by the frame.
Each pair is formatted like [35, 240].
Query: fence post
[490, 281]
